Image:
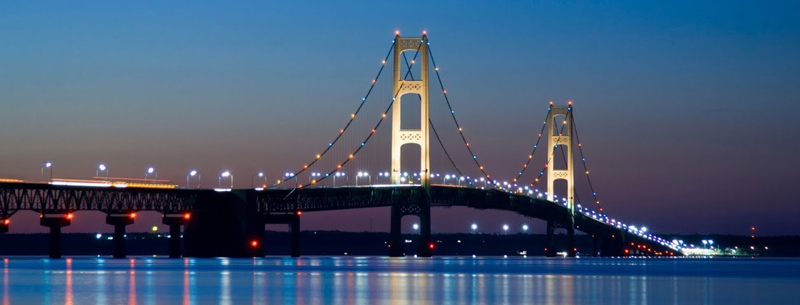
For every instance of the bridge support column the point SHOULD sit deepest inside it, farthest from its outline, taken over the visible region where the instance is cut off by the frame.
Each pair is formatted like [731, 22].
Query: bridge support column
[119, 221]
[550, 247]
[595, 246]
[175, 221]
[294, 227]
[572, 250]
[396, 238]
[293, 220]
[426, 246]
[4, 223]
[421, 210]
[613, 244]
[55, 222]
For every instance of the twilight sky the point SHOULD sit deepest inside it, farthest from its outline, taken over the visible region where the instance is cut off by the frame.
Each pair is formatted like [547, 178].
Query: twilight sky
[687, 112]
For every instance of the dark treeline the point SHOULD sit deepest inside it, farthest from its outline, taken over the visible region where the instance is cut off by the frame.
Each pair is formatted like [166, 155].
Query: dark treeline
[365, 243]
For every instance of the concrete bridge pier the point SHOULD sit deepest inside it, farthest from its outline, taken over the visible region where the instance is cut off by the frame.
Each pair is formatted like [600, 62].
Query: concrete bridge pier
[55, 222]
[4, 223]
[595, 246]
[175, 221]
[613, 244]
[572, 250]
[293, 220]
[550, 248]
[426, 245]
[120, 221]
[397, 244]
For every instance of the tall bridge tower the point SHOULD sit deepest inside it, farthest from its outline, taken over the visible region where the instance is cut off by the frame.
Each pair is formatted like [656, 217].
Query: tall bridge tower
[402, 87]
[556, 139]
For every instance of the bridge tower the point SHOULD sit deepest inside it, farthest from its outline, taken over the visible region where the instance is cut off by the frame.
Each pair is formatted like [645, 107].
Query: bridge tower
[402, 87]
[560, 138]
[416, 203]
[555, 140]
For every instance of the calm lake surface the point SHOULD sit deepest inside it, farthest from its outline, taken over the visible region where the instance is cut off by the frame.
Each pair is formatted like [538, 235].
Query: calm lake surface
[378, 280]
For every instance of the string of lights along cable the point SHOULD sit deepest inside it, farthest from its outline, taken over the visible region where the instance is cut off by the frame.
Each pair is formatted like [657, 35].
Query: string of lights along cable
[535, 146]
[409, 64]
[346, 126]
[458, 126]
[433, 128]
[363, 143]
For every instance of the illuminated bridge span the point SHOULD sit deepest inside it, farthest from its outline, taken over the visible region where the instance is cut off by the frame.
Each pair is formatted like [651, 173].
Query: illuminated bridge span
[230, 222]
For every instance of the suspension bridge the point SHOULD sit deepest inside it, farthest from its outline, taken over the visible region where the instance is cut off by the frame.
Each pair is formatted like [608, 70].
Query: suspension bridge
[230, 222]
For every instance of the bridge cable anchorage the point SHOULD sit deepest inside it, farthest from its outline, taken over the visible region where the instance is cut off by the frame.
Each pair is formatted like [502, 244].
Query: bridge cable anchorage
[535, 146]
[436, 134]
[458, 126]
[349, 122]
[586, 170]
[366, 140]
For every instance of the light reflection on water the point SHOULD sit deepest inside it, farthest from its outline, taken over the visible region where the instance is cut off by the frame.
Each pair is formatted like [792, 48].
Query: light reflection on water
[348, 280]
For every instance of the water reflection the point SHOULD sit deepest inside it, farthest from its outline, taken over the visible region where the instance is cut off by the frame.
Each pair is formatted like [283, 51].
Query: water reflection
[132, 283]
[396, 281]
[6, 292]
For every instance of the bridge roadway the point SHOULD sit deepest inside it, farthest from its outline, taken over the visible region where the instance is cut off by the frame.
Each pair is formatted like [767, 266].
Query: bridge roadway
[231, 222]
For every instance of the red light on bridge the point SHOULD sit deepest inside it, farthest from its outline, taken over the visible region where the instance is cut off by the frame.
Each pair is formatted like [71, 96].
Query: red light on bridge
[627, 251]
[299, 213]
[132, 215]
[69, 216]
[6, 221]
[254, 243]
[186, 216]
[430, 246]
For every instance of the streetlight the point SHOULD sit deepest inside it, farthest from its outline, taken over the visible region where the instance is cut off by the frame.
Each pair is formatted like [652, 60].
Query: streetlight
[525, 228]
[101, 168]
[150, 171]
[711, 243]
[48, 165]
[314, 175]
[474, 227]
[705, 242]
[384, 174]
[337, 174]
[289, 175]
[364, 174]
[193, 173]
[415, 226]
[460, 179]
[225, 174]
[253, 177]
[505, 228]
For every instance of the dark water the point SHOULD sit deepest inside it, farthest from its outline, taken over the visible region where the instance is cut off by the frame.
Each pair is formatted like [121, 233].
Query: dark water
[376, 280]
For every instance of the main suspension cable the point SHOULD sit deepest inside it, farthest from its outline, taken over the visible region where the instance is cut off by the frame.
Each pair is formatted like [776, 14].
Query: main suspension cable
[453, 114]
[366, 140]
[430, 121]
[535, 146]
[583, 160]
[349, 122]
